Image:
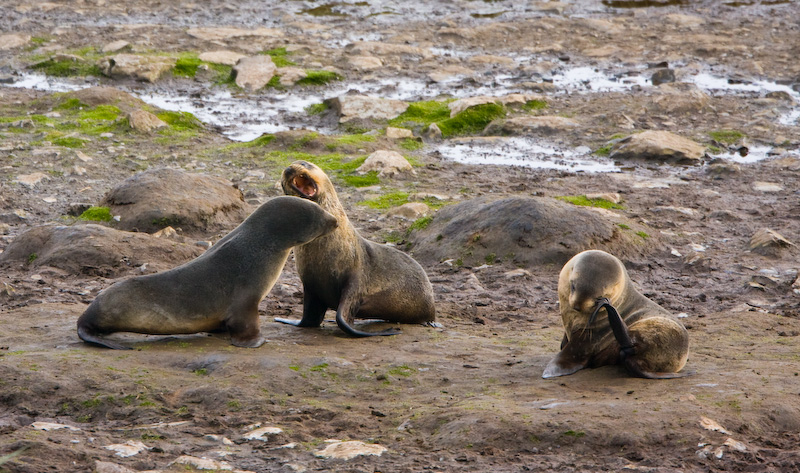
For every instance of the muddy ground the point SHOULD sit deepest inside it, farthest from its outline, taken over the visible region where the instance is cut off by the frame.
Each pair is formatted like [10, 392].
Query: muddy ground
[468, 396]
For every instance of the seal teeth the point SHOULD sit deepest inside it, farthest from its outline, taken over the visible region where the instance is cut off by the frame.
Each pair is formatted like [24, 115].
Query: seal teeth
[307, 187]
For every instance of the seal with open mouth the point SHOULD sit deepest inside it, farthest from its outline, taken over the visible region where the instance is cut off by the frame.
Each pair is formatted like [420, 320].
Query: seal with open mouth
[607, 321]
[219, 290]
[343, 271]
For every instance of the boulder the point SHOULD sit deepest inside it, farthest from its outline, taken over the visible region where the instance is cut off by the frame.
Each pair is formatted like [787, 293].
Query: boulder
[154, 199]
[386, 163]
[661, 146]
[143, 68]
[678, 98]
[353, 108]
[115, 46]
[290, 75]
[144, 121]
[254, 72]
[94, 249]
[527, 232]
[228, 58]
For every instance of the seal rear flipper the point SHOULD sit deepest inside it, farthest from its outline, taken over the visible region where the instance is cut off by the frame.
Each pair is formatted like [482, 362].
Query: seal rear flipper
[348, 329]
[89, 336]
[632, 365]
[565, 363]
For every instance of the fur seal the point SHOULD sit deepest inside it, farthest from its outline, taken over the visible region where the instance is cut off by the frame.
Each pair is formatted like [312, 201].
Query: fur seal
[356, 277]
[635, 331]
[219, 290]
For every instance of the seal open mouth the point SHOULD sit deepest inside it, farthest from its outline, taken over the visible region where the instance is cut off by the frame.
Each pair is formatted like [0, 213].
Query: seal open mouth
[305, 186]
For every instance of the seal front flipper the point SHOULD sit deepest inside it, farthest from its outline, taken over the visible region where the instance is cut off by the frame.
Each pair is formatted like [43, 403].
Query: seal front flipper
[568, 361]
[627, 351]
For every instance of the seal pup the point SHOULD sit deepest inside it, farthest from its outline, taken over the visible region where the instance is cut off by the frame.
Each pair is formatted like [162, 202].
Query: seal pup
[634, 331]
[356, 277]
[217, 291]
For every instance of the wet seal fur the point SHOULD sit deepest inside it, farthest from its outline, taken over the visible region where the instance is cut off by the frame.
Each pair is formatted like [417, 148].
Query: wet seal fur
[343, 271]
[635, 331]
[218, 291]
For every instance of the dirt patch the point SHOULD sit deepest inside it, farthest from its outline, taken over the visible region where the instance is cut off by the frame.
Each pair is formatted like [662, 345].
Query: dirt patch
[468, 396]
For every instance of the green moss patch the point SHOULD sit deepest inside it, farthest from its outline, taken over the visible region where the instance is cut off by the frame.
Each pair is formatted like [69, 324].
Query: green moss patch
[583, 200]
[97, 214]
[386, 201]
[726, 137]
[317, 108]
[67, 68]
[420, 224]
[314, 77]
[280, 57]
[69, 141]
[181, 121]
[423, 113]
[410, 144]
[533, 105]
[472, 120]
[354, 139]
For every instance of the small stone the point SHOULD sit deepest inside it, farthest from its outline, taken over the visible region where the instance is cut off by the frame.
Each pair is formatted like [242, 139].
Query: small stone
[291, 75]
[410, 211]
[254, 72]
[663, 76]
[517, 273]
[397, 133]
[261, 433]
[364, 63]
[144, 121]
[108, 467]
[127, 449]
[115, 46]
[145, 68]
[768, 242]
[82, 156]
[13, 41]
[767, 186]
[30, 180]
[77, 208]
[386, 163]
[228, 58]
[201, 463]
[349, 450]
[166, 232]
[658, 146]
[433, 132]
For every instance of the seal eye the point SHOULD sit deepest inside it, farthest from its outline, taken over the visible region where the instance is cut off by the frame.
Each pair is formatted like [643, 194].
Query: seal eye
[305, 186]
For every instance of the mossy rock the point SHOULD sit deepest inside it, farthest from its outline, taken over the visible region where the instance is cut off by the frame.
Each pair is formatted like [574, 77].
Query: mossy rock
[527, 232]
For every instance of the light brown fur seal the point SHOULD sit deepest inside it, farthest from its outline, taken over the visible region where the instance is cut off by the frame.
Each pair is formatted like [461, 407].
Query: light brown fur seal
[356, 277]
[219, 290]
[634, 330]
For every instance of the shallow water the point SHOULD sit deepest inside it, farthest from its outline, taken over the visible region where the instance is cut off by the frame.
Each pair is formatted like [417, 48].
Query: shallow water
[246, 117]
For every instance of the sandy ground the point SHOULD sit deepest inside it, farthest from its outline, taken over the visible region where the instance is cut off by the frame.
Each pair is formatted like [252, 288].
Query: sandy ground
[468, 396]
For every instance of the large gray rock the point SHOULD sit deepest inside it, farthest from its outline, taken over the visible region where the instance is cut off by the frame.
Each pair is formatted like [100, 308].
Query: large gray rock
[143, 68]
[94, 249]
[152, 200]
[363, 108]
[679, 98]
[527, 232]
[385, 163]
[254, 72]
[661, 146]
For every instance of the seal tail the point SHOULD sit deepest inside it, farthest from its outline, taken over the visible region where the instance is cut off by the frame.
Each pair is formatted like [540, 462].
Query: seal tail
[348, 329]
[627, 350]
[89, 335]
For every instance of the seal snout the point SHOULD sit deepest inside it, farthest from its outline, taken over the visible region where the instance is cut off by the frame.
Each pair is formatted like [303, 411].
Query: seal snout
[305, 186]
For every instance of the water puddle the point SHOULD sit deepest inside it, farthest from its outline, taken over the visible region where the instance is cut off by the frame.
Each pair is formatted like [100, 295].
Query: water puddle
[525, 152]
[644, 3]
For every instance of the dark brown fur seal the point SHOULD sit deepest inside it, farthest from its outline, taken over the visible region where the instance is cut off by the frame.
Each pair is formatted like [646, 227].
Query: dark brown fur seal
[219, 290]
[634, 331]
[356, 277]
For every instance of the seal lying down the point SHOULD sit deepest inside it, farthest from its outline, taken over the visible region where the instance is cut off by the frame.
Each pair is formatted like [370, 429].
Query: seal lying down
[218, 291]
[607, 321]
